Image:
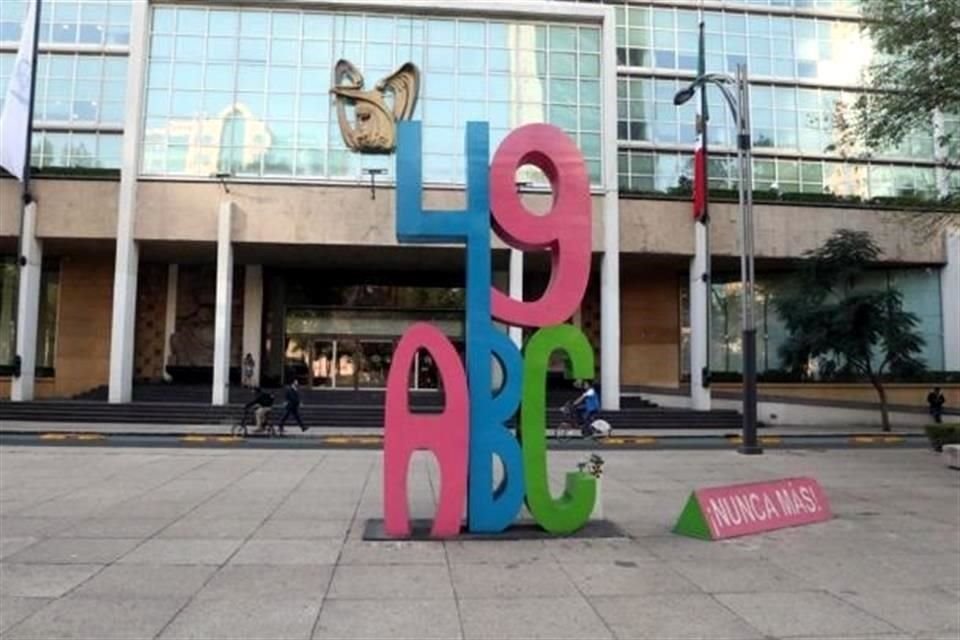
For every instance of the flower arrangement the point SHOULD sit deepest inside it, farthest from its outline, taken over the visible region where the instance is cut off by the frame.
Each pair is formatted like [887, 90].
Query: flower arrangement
[593, 466]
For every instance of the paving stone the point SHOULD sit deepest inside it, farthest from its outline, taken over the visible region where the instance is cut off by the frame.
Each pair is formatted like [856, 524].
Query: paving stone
[676, 616]
[498, 551]
[725, 576]
[75, 550]
[19, 526]
[388, 619]
[319, 551]
[147, 581]
[14, 609]
[627, 578]
[518, 580]
[10, 546]
[587, 551]
[412, 581]
[802, 613]
[43, 580]
[399, 552]
[300, 529]
[115, 528]
[895, 532]
[254, 601]
[182, 551]
[220, 528]
[85, 618]
[926, 612]
[530, 618]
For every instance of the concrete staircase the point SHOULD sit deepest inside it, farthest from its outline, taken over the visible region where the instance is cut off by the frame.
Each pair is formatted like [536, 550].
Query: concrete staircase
[173, 405]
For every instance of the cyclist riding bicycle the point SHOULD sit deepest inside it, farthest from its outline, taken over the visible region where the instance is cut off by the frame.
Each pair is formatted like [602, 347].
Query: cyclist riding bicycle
[261, 404]
[587, 406]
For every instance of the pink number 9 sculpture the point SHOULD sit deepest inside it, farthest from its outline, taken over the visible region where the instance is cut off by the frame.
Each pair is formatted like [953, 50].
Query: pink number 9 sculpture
[564, 230]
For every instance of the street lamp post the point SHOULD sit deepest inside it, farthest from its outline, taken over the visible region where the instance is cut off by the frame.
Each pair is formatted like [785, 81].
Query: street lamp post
[740, 108]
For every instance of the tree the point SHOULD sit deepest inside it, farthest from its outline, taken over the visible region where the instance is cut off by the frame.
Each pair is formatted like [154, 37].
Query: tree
[847, 329]
[915, 70]
[914, 74]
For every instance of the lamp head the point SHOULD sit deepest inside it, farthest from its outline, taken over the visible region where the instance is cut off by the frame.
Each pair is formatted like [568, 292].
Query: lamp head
[683, 96]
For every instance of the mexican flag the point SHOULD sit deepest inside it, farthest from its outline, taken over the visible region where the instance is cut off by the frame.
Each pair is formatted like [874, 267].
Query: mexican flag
[700, 152]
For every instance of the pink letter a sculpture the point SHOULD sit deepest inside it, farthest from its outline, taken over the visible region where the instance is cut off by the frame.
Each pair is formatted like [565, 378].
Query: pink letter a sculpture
[445, 434]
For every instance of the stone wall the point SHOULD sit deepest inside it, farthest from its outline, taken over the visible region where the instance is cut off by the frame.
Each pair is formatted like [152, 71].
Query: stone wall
[83, 326]
[650, 328]
[151, 318]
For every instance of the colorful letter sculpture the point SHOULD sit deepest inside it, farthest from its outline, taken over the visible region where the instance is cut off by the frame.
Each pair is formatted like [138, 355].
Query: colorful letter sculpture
[473, 406]
[716, 513]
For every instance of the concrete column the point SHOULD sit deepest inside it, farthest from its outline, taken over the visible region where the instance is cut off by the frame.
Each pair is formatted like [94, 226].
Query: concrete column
[221, 322]
[128, 254]
[699, 338]
[28, 307]
[500, 280]
[253, 315]
[516, 290]
[610, 265]
[170, 322]
[950, 302]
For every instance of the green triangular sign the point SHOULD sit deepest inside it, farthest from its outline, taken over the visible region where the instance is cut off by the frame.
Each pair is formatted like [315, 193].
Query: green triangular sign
[692, 522]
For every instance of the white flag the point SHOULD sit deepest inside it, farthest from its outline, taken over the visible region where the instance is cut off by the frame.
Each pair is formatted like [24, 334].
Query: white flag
[14, 120]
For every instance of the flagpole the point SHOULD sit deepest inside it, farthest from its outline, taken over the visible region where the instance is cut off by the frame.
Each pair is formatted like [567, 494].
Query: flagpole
[26, 199]
[705, 220]
[699, 299]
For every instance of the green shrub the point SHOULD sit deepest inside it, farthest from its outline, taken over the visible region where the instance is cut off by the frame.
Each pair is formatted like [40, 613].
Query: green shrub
[941, 434]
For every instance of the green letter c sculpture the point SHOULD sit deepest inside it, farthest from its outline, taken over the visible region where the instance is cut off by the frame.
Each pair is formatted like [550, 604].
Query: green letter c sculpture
[572, 510]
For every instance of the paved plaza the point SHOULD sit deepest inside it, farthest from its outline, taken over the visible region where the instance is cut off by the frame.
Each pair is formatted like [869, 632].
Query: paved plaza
[218, 543]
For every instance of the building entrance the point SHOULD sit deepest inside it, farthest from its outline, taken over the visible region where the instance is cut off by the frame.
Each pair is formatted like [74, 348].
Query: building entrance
[353, 348]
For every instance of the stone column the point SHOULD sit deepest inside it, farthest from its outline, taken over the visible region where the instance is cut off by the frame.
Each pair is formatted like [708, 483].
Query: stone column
[28, 307]
[950, 302]
[516, 290]
[610, 265]
[126, 265]
[253, 315]
[221, 322]
[500, 280]
[170, 322]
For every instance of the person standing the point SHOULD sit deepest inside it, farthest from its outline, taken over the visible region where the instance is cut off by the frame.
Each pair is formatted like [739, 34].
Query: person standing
[935, 400]
[293, 406]
[248, 368]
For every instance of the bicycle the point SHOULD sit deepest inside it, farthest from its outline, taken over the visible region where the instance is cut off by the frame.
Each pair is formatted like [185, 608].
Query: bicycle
[571, 427]
[239, 430]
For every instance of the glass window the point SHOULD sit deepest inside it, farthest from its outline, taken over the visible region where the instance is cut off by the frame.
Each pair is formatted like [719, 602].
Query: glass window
[472, 33]
[441, 32]
[563, 38]
[274, 65]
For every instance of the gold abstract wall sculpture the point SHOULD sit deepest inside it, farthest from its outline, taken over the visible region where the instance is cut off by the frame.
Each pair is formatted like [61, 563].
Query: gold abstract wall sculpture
[374, 129]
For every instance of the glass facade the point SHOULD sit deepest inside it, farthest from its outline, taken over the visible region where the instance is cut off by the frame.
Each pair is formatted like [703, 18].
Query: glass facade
[805, 73]
[668, 172]
[247, 91]
[921, 295]
[46, 317]
[81, 86]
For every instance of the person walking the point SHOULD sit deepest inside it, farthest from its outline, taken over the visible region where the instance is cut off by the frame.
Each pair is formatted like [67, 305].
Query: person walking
[293, 406]
[935, 400]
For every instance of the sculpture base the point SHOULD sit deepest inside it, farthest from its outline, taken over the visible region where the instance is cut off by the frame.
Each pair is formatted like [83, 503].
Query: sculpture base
[521, 530]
